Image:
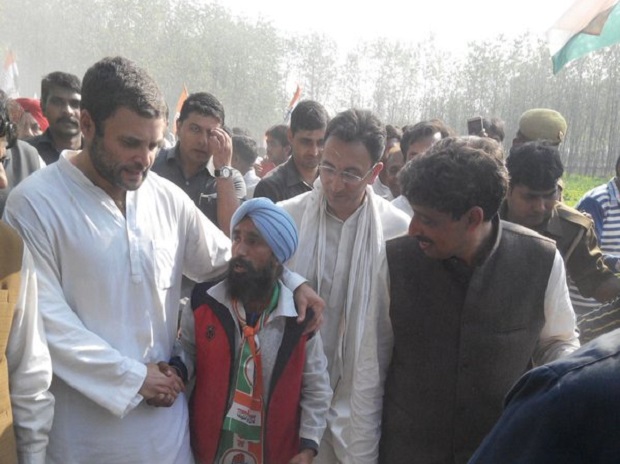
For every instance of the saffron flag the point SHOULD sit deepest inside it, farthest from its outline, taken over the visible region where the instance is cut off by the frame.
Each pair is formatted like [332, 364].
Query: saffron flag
[588, 25]
[10, 75]
[291, 105]
[177, 111]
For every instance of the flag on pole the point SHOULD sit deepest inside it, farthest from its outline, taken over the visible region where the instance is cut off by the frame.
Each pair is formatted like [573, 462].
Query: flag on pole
[10, 75]
[177, 110]
[588, 25]
[291, 105]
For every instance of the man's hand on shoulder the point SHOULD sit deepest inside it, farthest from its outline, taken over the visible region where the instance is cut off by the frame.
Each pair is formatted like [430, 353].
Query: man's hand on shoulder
[306, 297]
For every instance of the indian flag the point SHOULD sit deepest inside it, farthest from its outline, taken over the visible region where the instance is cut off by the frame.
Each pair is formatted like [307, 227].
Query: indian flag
[588, 25]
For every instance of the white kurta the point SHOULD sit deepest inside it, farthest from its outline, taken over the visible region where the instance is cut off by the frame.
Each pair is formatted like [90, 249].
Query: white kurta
[109, 289]
[30, 371]
[336, 265]
[382, 190]
[403, 204]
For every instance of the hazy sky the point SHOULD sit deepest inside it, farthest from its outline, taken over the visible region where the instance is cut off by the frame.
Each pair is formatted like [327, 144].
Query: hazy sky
[452, 21]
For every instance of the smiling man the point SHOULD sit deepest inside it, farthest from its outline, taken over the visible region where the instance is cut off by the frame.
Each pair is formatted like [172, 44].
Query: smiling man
[343, 225]
[473, 301]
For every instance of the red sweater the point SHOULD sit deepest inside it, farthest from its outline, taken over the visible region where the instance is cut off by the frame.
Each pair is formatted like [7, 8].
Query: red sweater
[215, 354]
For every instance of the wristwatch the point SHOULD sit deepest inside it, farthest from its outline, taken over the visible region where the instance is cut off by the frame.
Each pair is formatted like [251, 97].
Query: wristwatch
[225, 172]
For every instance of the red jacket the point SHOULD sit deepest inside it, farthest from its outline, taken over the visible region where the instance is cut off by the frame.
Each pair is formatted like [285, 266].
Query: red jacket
[215, 354]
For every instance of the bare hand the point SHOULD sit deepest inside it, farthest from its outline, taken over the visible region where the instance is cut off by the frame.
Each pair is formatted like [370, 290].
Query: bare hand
[220, 147]
[305, 457]
[162, 385]
[306, 297]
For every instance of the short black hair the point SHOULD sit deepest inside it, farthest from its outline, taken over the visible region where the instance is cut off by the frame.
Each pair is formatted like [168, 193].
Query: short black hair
[308, 115]
[245, 148]
[393, 132]
[536, 165]
[457, 174]
[421, 130]
[278, 132]
[58, 79]
[204, 104]
[357, 125]
[494, 128]
[117, 82]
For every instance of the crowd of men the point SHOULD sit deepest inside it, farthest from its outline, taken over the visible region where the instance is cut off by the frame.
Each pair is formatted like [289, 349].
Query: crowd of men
[363, 293]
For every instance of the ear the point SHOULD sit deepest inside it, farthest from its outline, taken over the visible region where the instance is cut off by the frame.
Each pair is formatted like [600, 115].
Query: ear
[375, 172]
[179, 123]
[289, 136]
[475, 217]
[87, 125]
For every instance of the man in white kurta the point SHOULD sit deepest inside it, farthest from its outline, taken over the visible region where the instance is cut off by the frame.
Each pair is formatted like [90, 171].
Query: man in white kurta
[112, 309]
[110, 244]
[343, 226]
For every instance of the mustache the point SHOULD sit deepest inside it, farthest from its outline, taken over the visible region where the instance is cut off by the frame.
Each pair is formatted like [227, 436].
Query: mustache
[238, 261]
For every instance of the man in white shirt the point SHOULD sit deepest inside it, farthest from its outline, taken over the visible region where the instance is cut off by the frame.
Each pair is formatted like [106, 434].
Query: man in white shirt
[110, 245]
[343, 226]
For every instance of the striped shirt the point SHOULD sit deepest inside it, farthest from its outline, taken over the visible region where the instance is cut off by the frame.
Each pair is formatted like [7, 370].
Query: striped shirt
[603, 204]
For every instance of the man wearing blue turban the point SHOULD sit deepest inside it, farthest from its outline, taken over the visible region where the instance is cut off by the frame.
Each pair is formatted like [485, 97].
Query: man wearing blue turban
[254, 368]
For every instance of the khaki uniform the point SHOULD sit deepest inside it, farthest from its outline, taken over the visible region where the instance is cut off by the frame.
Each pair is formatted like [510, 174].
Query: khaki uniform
[576, 241]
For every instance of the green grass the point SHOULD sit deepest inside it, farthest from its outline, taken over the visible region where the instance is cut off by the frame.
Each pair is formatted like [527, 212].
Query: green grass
[576, 185]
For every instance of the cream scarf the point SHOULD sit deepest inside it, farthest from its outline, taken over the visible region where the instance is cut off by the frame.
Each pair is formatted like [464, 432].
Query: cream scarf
[308, 261]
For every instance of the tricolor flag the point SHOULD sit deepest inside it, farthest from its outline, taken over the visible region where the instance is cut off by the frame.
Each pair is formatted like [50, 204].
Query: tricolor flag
[291, 105]
[588, 25]
[10, 75]
[177, 110]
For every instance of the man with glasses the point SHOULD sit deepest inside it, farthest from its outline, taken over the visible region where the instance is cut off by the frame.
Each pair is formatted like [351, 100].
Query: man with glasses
[343, 226]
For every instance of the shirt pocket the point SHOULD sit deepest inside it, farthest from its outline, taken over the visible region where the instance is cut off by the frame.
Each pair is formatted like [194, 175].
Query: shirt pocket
[164, 252]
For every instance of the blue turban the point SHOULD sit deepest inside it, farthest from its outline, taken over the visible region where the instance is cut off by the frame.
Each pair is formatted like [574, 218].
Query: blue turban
[274, 224]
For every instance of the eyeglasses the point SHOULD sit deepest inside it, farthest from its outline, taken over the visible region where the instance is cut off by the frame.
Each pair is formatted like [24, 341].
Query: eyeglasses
[345, 176]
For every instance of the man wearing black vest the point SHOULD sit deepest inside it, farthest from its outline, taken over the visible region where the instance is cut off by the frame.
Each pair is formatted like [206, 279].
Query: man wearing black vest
[474, 302]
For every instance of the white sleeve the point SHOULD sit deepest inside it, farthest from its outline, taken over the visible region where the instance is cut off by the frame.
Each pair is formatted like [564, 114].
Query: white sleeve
[81, 358]
[30, 371]
[316, 392]
[369, 377]
[559, 335]
[207, 249]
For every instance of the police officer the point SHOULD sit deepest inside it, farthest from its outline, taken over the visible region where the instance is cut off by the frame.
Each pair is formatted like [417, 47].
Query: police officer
[532, 201]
